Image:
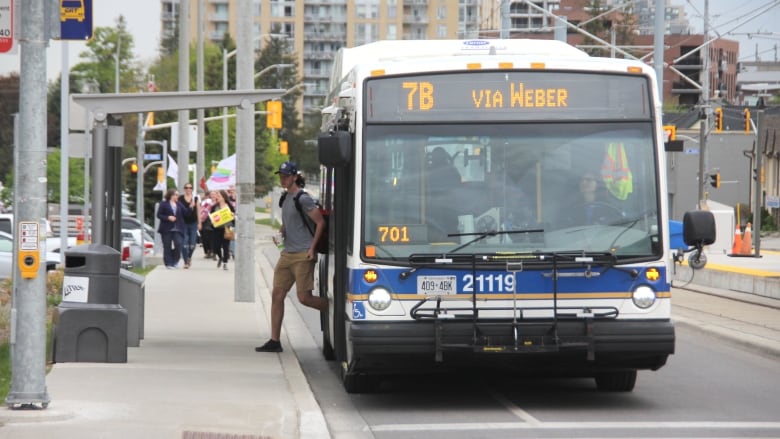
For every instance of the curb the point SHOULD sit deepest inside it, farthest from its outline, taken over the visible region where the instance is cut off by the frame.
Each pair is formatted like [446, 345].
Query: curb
[311, 420]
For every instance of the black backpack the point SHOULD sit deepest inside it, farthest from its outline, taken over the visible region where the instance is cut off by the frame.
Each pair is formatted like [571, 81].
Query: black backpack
[322, 244]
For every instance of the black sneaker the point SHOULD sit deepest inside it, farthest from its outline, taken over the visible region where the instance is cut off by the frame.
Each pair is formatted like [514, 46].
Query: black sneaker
[270, 346]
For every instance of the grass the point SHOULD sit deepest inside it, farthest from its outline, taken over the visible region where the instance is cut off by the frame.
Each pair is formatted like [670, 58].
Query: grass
[5, 370]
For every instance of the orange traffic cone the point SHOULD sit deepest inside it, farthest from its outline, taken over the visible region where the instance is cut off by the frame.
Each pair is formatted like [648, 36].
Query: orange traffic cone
[737, 247]
[747, 241]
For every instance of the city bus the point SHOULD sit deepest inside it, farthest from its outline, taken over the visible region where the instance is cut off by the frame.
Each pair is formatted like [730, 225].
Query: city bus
[459, 235]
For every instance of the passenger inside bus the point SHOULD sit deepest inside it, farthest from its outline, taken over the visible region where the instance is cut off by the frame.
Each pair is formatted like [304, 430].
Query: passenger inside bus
[443, 183]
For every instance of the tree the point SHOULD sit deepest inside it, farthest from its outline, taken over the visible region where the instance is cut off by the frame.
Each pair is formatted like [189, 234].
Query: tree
[278, 50]
[9, 104]
[623, 23]
[100, 59]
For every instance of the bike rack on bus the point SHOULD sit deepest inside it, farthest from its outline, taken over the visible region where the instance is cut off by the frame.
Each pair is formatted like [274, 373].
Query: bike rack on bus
[547, 342]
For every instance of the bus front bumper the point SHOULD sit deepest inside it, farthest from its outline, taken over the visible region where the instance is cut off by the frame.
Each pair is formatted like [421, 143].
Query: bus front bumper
[606, 344]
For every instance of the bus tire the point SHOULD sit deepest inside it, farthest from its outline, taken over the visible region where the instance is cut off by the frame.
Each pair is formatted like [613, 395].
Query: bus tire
[618, 381]
[360, 383]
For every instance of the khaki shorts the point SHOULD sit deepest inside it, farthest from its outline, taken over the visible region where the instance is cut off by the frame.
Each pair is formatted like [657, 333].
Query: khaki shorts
[294, 268]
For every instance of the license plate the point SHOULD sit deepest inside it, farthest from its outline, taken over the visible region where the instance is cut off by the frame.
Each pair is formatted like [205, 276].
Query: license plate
[436, 285]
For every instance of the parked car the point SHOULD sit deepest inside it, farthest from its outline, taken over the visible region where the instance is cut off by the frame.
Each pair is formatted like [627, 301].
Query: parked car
[132, 252]
[53, 243]
[131, 223]
[7, 256]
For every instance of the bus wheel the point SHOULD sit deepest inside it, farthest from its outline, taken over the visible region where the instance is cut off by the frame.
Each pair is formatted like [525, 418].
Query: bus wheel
[359, 383]
[620, 381]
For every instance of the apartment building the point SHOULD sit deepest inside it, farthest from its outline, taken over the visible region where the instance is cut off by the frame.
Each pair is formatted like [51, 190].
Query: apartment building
[318, 28]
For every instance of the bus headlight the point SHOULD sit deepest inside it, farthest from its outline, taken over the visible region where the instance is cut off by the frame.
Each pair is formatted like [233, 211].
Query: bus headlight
[379, 299]
[643, 297]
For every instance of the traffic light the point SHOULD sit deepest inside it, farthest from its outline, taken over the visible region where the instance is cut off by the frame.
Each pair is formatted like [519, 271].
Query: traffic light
[134, 168]
[718, 120]
[160, 174]
[273, 117]
[283, 147]
[747, 120]
[715, 180]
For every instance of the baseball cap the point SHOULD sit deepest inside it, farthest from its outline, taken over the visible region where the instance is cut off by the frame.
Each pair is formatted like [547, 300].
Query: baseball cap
[288, 168]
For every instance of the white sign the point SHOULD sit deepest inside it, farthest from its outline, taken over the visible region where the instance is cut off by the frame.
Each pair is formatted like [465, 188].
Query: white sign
[28, 235]
[75, 289]
[193, 139]
[7, 30]
[773, 201]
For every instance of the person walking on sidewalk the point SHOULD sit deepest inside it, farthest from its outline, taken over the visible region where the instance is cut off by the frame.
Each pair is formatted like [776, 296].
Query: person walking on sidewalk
[219, 244]
[171, 229]
[299, 256]
[191, 202]
[204, 226]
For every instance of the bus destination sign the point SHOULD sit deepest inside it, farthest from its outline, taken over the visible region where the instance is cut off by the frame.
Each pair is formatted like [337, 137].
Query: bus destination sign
[504, 96]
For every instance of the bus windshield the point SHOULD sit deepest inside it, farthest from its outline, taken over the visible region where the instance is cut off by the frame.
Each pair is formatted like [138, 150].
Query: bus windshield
[527, 187]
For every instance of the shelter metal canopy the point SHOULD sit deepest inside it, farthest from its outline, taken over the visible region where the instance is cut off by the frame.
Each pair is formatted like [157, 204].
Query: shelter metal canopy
[104, 190]
[102, 105]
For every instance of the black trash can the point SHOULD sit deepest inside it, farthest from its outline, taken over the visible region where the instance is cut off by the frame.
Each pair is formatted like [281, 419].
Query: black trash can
[90, 325]
[91, 274]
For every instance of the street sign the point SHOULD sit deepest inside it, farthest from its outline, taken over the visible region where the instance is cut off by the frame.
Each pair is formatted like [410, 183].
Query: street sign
[152, 156]
[75, 20]
[7, 26]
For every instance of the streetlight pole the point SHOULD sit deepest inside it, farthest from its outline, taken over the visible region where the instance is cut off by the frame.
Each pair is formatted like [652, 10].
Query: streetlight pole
[116, 62]
[225, 56]
[183, 154]
[278, 67]
[245, 169]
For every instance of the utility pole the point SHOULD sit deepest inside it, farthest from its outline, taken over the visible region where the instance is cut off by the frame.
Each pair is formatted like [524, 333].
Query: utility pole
[658, 49]
[758, 192]
[704, 119]
[183, 156]
[201, 154]
[245, 155]
[506, 20]
[28, 315]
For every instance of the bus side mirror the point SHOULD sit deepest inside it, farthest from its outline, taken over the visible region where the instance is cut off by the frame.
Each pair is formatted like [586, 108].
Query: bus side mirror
[698, 228]
[335, 148]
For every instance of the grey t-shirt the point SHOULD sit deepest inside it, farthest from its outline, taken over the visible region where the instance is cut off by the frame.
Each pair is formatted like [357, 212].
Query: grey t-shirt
[297, 237]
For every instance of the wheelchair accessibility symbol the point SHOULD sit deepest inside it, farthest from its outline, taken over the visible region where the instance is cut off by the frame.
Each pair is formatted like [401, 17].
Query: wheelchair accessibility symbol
[358, 311]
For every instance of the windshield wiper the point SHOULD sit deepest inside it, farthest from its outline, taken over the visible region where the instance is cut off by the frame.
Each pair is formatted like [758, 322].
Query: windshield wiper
[482, 235]
[582, 257]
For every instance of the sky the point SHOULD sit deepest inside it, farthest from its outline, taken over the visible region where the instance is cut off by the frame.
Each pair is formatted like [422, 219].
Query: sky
[733, 19]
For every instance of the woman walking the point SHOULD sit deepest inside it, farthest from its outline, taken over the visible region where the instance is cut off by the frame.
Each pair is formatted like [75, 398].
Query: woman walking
[171, 214]
[219, 245]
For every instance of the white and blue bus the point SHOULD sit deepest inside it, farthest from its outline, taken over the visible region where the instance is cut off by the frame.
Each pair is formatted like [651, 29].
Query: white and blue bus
[458, 233]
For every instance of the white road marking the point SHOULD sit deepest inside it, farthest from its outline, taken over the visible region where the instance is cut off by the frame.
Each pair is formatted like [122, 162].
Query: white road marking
[574, 426]
[515, 410]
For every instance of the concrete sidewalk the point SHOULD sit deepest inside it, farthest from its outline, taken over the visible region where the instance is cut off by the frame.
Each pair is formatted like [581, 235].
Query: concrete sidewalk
[195, 371]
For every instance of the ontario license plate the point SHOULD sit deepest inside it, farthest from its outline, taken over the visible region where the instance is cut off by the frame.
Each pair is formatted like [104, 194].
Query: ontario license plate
[436, 285]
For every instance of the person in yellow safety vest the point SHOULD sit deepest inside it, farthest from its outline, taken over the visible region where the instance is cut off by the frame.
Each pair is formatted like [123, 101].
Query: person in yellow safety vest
[615, 172]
